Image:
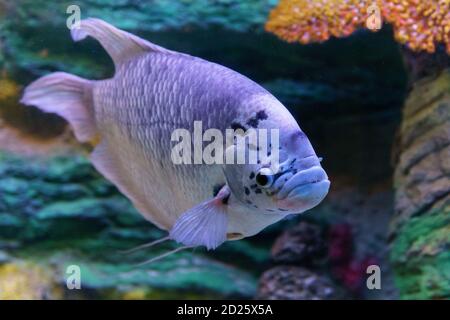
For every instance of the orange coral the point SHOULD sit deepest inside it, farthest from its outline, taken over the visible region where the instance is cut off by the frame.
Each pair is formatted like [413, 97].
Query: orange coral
[308, 21]
[418, 23]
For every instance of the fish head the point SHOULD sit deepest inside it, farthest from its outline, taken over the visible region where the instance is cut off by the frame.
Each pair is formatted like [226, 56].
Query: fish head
[286, 180]
[300, 182]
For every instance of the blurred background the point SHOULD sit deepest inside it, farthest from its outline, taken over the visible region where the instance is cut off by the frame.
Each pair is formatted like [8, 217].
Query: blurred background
[375, 105]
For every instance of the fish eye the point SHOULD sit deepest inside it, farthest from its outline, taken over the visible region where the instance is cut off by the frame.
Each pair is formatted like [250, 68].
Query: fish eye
[264, 178]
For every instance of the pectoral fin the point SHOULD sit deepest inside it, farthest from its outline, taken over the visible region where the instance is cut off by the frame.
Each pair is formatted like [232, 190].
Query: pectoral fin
[205, 224]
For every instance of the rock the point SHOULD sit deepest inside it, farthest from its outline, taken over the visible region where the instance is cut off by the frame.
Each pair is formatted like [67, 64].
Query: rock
[301, 244]
[295, 283]
[420, 228]
[422, 177]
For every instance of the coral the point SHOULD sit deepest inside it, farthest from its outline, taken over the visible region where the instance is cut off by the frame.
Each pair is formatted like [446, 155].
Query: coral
[419, 24]
[308, 21]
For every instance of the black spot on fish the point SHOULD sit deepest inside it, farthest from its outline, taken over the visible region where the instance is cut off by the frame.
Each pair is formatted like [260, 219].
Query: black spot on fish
[282, 209]
[255, 206]
[253, 186]
[248, 202]
[254, 121]
[258, 190]
[217, 188]
[236, 126]
[269, 153]
[252, 175]
[247, 191]
[261, 115]
[270, 210]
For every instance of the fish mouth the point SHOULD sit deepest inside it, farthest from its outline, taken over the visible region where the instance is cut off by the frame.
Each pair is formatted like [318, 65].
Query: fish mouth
[304, 190]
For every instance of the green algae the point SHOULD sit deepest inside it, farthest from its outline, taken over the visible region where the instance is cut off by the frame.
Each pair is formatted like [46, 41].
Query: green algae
[421, 256]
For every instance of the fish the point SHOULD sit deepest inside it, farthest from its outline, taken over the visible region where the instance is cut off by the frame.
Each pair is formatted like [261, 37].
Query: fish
[130, 119]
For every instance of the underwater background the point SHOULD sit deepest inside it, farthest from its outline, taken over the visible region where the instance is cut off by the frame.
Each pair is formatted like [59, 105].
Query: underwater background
[375, 105]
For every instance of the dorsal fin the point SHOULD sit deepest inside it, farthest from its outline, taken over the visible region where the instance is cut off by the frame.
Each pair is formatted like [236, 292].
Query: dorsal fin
[119, 44]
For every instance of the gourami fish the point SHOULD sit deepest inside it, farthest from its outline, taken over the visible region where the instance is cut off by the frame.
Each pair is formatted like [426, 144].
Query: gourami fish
[155, 91]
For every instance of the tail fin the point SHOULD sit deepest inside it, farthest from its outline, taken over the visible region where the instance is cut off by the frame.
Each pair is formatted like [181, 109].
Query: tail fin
[68, 96]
